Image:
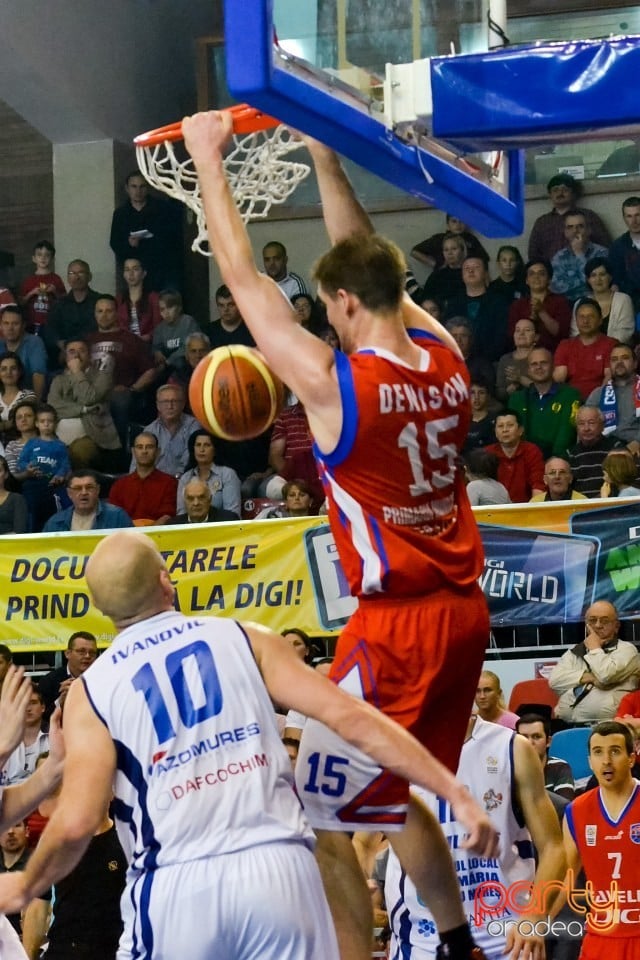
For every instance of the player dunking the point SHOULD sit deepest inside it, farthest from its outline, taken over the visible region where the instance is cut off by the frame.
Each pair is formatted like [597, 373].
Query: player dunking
[602, 835]
[176, 720]
[389, 416]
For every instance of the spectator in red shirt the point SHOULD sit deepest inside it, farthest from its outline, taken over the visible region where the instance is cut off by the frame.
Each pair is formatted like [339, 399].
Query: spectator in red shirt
[520, 463]
[39, 291]
[290, 451]
[583, 361]
[147, 493]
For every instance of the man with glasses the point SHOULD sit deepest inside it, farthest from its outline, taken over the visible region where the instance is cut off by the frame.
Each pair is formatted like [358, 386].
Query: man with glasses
[592, 678]
[81, 652]
[172, 429]
[73, 316]
[87, 510]
[558, 480]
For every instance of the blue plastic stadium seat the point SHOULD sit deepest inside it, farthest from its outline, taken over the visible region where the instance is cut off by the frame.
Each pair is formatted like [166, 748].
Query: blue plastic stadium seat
[571, 745]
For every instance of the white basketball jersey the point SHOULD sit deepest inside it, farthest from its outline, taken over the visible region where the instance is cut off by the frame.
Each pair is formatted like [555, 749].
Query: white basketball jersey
[201, 770]
[486, 768]
[10, 946]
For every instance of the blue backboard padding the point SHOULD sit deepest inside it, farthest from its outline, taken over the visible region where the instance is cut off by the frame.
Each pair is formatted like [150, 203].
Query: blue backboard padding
[552, 92]
[351, 131]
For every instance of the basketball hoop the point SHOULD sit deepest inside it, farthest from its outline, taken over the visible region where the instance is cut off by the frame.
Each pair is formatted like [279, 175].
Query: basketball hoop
[256, 168]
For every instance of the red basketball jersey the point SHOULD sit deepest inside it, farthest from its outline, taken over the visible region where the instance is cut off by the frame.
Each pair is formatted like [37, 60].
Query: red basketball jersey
[398, 507]
[610, 853]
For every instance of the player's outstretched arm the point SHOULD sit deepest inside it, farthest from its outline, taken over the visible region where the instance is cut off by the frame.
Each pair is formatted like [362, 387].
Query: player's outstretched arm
[19, 800]
[344, 216]
[86, 792]
[296, 686]
[543, 825]
[303, 361]
[343, 213]
[14, 699]
[574, 866]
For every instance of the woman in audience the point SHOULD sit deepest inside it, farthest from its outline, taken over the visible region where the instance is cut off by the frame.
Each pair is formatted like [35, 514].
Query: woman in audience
[309, 314]
[620, 474]
[223, 482]
[618, 318]
[303, 646]
[551, 312]
[23, 420]
[490, 701]
[307, 650]
[433, 307]
[446, 281]
[138, 307]
[12, 389]
[13, 507]
[298, 502]
[484, 488]
[511, 372]
[510, 282]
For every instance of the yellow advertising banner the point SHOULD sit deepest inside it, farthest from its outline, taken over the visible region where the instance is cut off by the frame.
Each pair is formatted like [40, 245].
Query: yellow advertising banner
[552, 517]
[282, 573]
[253, 571]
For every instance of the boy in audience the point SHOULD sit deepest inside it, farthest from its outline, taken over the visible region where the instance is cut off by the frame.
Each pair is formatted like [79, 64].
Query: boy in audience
[39, 291]
[169, 337]
[46, 463]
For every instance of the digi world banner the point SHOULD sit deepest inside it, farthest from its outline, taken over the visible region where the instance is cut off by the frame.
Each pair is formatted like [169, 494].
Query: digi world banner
[544, 563]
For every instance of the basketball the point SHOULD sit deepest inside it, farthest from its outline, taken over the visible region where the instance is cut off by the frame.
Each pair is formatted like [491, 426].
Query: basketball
[234, 393]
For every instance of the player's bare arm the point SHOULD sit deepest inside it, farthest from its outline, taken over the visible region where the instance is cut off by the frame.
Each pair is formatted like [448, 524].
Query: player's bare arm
[16, 691]
[90, 759]
[303, 361]
[296, 686]
[542, 823]
[343, 213]
[574, 866]
[22, 798]
[345, 216]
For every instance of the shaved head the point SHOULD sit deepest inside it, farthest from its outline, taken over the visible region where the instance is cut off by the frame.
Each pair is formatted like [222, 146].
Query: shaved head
[128, 579]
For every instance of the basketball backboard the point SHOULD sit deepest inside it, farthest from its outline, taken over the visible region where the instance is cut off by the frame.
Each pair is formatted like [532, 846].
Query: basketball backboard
[326, 75]
[377, 82]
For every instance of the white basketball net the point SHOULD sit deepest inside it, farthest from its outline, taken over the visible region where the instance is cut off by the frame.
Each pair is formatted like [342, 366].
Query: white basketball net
[257, 172]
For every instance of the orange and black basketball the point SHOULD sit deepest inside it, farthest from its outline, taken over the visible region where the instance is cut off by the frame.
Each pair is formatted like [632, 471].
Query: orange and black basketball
[234, 393]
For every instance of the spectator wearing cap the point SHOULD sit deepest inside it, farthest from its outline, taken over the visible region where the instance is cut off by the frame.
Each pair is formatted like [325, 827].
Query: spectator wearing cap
[547, 234]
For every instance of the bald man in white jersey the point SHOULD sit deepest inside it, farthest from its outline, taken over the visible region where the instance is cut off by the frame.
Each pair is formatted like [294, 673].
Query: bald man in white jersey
[19, 800]
[176, 719]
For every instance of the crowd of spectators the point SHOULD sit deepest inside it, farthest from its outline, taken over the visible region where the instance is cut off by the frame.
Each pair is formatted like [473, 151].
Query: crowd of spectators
[551, 345]
[95, 423]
